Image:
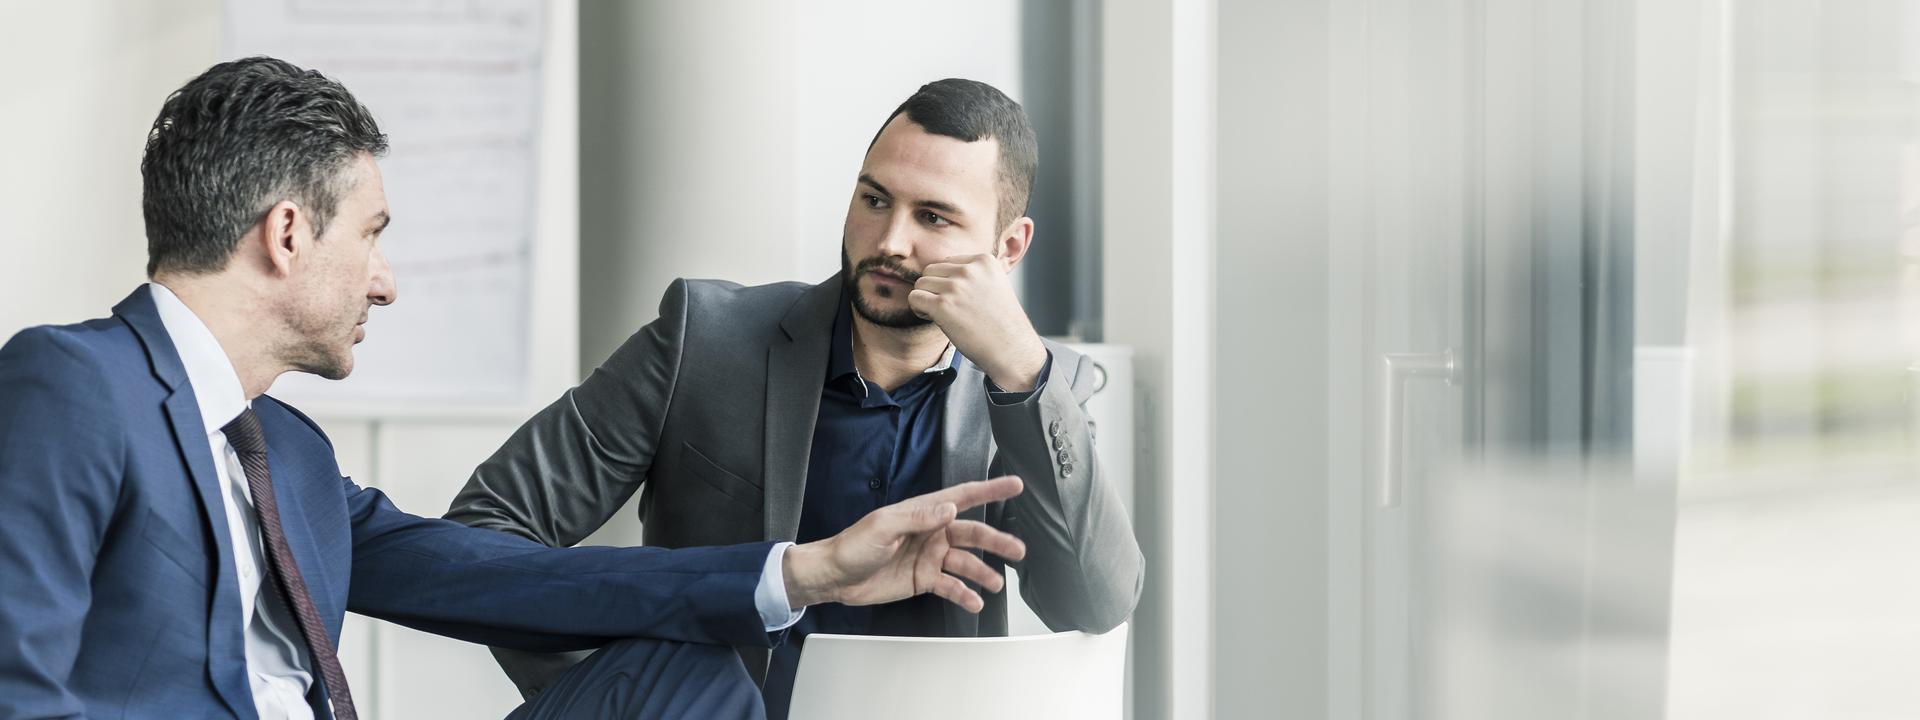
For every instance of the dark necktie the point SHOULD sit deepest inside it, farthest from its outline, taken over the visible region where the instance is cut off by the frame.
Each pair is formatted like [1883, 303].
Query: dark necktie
[244, 436]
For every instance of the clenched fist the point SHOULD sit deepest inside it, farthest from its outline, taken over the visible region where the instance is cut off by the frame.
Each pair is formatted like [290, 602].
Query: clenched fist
[971, 298]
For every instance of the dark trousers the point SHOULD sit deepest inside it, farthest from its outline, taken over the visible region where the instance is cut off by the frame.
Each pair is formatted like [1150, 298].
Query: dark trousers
[650, 679]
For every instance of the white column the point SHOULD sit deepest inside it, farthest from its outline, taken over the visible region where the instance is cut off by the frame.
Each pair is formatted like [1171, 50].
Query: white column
[1158, 116]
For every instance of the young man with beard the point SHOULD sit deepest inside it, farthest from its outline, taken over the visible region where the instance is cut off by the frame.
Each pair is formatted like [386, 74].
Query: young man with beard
[785, 412]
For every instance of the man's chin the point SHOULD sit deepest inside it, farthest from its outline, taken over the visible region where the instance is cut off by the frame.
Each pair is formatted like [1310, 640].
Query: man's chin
[335, 368]
[892, 317]
[336, 372]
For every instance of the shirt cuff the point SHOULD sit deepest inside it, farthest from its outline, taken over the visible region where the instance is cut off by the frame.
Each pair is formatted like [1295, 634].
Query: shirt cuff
[1002, 397]
[770, 596]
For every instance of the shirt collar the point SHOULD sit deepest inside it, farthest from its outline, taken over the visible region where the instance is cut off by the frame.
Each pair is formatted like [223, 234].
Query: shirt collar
[215, 384]
[840, 362]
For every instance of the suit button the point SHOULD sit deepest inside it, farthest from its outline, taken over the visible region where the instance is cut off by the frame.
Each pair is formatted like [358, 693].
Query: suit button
[1065, 458]
[1059, 443]
[1053, 429]
[1066, 470]
[873, 483]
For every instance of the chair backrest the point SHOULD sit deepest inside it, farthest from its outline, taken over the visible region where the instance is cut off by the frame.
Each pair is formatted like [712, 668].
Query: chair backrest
[1063, 676]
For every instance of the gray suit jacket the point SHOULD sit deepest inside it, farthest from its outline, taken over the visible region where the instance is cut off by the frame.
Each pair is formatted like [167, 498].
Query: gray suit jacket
[709, 412]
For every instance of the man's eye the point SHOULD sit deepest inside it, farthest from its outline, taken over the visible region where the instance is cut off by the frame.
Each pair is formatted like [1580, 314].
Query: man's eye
[935, 220]
[873, 201]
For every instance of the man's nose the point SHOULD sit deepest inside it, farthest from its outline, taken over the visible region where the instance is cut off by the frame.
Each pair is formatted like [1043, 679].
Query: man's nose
[381, 289]
[897, 240]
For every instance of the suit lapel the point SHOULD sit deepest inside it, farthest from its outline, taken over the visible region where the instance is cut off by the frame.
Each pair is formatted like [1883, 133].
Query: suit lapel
[225, 644]
[966, 453]
[966, 436]
[796, 370]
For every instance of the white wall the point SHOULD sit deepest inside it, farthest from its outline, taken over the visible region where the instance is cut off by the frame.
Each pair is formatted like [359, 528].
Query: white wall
[83, 83]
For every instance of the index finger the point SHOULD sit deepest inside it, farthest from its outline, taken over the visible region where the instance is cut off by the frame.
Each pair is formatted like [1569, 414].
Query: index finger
[950, 265]
[976, 535]
[979, 492]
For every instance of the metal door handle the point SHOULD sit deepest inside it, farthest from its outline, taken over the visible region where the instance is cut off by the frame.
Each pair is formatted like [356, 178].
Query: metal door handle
[1395, 370]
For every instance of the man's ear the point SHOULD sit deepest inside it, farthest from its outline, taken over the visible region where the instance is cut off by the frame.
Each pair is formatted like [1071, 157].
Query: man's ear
[280, 240]
[1014, 242]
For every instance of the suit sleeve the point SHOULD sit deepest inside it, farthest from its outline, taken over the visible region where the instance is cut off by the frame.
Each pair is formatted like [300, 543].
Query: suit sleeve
[573, 465]
[1083, 569]
[488, 587]
[62, 454]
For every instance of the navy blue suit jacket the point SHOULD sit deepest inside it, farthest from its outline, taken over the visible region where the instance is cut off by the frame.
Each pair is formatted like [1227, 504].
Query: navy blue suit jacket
[117, 588]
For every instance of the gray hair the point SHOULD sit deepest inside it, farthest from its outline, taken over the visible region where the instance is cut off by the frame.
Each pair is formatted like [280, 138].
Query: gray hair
[234, 141]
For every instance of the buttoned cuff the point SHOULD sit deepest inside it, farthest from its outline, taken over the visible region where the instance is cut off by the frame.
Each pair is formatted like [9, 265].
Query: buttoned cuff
[770, 596]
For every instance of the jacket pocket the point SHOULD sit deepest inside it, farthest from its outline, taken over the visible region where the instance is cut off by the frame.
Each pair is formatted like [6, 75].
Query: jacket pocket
[693, 463]
[188, 555]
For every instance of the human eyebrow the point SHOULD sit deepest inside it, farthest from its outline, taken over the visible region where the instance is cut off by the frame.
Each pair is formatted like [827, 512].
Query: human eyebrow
[940, 206]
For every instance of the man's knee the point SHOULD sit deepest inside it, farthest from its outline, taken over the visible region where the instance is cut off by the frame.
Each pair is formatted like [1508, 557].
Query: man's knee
[652, 679]
[717, 658]
[644, 649]
[695, 662]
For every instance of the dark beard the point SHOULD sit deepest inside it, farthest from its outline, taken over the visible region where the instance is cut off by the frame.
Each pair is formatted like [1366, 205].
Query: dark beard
[850, 275]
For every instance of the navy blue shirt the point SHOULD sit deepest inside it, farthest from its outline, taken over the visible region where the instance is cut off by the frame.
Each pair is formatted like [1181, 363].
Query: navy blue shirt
[871, 448]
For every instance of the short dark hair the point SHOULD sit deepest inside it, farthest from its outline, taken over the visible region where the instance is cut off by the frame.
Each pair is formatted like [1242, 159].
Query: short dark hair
[969, 110]
[232, 142]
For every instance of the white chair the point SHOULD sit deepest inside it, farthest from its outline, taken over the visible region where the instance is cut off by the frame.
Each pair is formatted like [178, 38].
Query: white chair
[1063, 676]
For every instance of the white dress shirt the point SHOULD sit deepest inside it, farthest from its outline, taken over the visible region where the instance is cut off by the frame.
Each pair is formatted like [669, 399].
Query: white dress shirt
[277, 661]
[278, 666]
